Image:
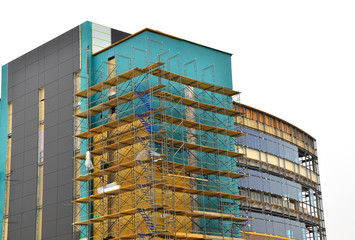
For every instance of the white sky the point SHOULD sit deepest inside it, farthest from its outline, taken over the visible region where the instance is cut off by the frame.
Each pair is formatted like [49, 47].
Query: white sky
[293, 59]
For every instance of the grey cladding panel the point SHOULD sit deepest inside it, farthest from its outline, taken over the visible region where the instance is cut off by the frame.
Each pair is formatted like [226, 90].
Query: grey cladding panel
[31, 98]
[18, 77]
[51, 149]
[66, 113]
[19, 91]
[28, 231]
[65, 144]
[32, 70]
[65, 39]
[18, 119]
[16, 191]
[52, 119]
[51, 90]
[117, 35]
[66, 98]
[14, 235]
[28, 219]
[65, 53]
[50, 66]
[17, 148]
[41, 80]
[49, 229]
[32, 84]
[50, 196]
[51, 104]
[51, 164]
[30, 172]
[18, 64]
[65, 176]
[29, 187]
[31, 115]
[51, 47]
[17, 176]
[49, 183]
[66, 67]
[31, 128]
[15, 207]
[65, 192]
[50, 212]
[66, 160]
[66, 84]
[51, 60]
[30, 156]
[32, 56]
[31, 141]
[64, 209]
[64, 226]
[66, 131]
[29, 203]
[51, 75]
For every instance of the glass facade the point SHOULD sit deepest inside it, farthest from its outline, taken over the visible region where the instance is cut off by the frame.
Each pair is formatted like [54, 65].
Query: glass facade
[275, 200]
[278, 226]
[266, 143]
[271, 184]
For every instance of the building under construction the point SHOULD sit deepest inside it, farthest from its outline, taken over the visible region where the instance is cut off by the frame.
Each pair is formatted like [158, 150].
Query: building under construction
[110, 135]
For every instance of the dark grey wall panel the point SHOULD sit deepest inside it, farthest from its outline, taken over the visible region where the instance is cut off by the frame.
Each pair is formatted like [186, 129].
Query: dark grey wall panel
[31, 98]
[19, 160]
[30, 187]
[30, 157]
[52, 104]
[31, 70]
[50, 66]
[31, 127]
[51, 182]
[52, 119]
[31, 142]
[51, 229]
[66, 160]
[28, 172]
[19, 91]
[28, 204]
[117, 35]
[29, 231]
[51, 75]
[15, 221]
[32, 84]
[32, 56]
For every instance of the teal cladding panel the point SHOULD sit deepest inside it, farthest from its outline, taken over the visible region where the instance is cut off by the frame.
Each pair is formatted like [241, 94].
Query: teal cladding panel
[4, 112]
[154, 47]
[86, 59]
[192, 60]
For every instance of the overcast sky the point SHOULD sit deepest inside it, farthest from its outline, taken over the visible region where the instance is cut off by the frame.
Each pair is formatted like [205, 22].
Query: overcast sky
[293, 59]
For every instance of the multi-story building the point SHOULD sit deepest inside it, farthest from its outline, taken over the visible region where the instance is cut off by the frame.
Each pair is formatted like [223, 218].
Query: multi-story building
[283, 177]
[110, 135]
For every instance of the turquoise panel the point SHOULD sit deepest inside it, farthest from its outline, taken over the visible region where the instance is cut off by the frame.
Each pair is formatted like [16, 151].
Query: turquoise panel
[86, 61]
[4, 111]
[195, 61]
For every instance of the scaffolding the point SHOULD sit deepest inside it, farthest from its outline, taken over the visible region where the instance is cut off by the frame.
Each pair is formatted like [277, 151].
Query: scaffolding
[154, 156]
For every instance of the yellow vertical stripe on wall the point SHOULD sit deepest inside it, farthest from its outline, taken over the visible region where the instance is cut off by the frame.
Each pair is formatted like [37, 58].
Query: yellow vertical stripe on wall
[40, 164]
[7, 176]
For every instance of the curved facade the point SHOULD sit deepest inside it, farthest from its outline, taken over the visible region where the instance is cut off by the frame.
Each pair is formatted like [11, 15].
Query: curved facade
[283, 178]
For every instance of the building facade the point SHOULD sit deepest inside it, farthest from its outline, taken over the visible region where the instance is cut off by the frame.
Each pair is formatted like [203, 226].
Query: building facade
[110, 135]
[283, 184]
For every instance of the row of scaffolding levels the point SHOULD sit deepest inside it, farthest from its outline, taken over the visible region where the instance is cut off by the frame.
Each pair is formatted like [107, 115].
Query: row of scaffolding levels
[155, 158]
